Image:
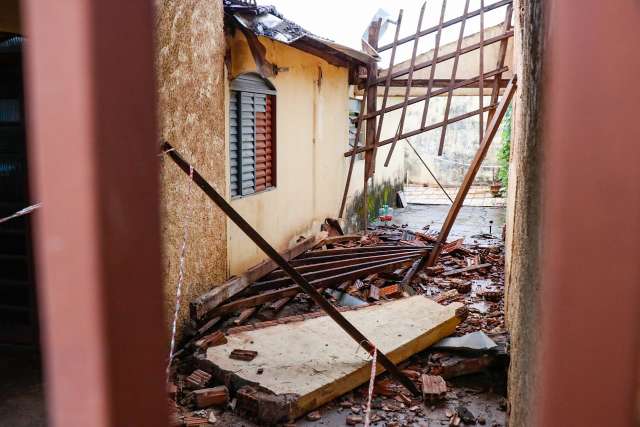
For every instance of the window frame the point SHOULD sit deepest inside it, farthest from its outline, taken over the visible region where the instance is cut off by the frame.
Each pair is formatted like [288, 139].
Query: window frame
[252, 84]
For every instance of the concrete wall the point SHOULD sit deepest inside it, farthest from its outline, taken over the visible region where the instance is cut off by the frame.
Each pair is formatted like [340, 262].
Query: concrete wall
[522, 273]
[312, 135]
[461, 143]
[190, 59]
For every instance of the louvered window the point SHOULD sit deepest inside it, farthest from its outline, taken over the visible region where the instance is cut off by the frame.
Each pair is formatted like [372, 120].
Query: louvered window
[251, 135]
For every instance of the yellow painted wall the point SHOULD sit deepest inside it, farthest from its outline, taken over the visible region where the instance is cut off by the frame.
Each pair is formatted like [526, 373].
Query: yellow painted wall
[312, 135]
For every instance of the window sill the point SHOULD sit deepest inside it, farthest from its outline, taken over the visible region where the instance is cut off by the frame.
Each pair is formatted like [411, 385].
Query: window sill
[268, 190]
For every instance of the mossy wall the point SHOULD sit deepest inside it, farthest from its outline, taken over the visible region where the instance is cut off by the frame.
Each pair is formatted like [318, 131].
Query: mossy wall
[380, 193]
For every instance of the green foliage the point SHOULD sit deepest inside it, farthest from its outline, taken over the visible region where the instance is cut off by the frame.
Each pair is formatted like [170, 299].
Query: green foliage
[505, 150]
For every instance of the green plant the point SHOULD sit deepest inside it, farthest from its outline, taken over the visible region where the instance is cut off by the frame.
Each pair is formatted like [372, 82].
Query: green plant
[504, 153]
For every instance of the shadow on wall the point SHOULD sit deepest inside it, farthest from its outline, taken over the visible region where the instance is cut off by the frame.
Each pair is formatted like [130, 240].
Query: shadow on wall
[382, 193]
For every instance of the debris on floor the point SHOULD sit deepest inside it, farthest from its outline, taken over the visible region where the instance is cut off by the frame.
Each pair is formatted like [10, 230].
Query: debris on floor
[262, 309]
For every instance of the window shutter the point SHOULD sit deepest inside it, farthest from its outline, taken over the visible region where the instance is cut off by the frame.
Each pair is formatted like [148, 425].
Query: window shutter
[233, 143]
[251, 139]
[247, 160]
[264, 146]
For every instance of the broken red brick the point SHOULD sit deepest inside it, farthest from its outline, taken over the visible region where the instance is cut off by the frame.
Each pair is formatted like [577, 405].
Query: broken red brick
[435, 270]
[433, 387]
[452, 247]
[214, 396]
[392, 291]
[211, 340]
[446, 296]
[239, 329]
[189, 421]
[266, 324]
[198, 378]
[246, 355]
[385, 388]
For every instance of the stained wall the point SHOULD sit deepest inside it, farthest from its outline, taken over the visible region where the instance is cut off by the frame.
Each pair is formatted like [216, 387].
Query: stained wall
[190, 70]
[311, 137]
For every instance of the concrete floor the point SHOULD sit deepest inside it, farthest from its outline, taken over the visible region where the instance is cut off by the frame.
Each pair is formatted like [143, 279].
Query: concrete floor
[21, 391]
[471, 220]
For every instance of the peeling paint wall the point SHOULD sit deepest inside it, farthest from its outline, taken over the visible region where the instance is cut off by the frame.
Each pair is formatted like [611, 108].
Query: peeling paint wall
[311, 137]
[190, 59]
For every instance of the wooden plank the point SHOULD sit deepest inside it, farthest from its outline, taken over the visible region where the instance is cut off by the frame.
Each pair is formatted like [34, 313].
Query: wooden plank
[361, 249]
[466, 269]
[338, 239]
[400, 328]
[339, 263]
[245, 315]
[448, 56]
[502, 53]
[502, 82]
[459, 84]
[432, 73]
[481, 65]
[473, 170]
[447, 24]
[372, 98]
[456, 60]
[408, 83]
[388, 82]
[431, 127]
[330, 272]
[235, 285]
[355, 255]
[293, 290]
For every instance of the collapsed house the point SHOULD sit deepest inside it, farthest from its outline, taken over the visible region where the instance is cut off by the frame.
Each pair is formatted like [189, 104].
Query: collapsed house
[260, 43]
[99, 248]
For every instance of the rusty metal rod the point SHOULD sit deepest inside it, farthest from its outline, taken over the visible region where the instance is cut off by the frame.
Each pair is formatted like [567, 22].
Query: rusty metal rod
[297, 277]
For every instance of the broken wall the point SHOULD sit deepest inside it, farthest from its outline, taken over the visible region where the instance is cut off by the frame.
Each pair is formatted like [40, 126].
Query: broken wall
[522, 274]
[190, 59]
[311, 137]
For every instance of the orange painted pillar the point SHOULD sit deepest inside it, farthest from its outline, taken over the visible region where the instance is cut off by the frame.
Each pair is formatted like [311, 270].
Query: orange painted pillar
[591, 214]
[94, 166]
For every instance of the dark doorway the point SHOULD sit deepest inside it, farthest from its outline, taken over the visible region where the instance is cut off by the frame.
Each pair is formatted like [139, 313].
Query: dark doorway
[18, 312]
[21, 390]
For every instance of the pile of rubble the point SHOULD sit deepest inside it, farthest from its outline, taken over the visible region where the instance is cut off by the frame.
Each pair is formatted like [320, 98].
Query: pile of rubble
[356, 271]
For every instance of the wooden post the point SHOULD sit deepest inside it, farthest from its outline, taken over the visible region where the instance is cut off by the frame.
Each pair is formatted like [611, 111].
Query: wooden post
[472, 171]
[93, 151]
[372, 106]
